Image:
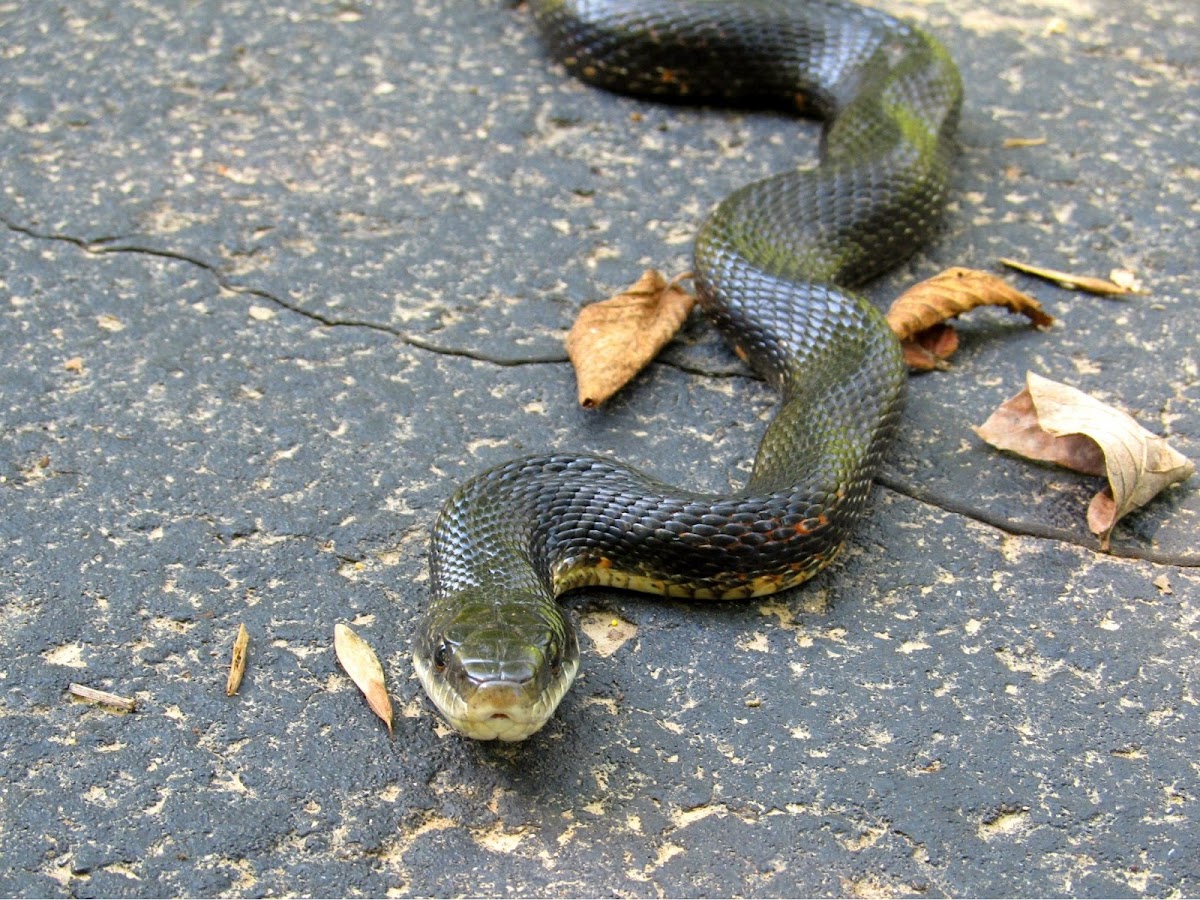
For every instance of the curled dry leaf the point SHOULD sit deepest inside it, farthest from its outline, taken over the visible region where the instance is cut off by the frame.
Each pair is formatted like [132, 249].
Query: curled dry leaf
[1124, 283]
[237, 665]
[918, 315]
[929, 349]
[614, 339]
[1052, 422]
[362, 665]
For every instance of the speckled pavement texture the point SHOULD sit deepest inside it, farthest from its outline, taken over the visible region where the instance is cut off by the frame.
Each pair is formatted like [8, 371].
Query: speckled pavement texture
[275, 277]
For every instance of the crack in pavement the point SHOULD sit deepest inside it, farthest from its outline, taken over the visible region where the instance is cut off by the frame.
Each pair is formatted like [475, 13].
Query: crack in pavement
[101, 246]
[1031, 529]
[915, 492]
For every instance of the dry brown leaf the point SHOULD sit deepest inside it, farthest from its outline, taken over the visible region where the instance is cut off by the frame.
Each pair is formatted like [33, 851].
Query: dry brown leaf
[930, 348]
[362, 665]
[612, 340]
[127, 704]
[237, 665]
[1052, 422]
[918, 315]
[1087, 283]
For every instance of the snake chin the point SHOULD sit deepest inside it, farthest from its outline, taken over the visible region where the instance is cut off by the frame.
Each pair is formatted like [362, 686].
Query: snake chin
[501, 710]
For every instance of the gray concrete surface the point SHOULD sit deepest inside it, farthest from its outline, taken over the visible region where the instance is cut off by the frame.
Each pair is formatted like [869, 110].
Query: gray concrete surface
[313, 262]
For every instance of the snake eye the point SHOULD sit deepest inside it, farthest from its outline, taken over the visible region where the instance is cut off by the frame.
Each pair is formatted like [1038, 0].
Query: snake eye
[556, 658]
[439, 656]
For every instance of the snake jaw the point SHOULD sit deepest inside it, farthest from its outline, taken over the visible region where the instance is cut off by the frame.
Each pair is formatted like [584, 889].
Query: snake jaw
[499, 709]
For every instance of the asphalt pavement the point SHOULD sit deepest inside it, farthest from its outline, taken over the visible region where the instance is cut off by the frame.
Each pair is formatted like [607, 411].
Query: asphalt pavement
[275, 277]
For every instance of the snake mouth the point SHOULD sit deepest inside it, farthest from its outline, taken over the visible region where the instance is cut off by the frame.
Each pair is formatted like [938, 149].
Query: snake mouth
[497, 710]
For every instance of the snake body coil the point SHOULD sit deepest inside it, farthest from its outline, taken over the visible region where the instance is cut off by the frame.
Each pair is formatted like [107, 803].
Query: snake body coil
[773, 264]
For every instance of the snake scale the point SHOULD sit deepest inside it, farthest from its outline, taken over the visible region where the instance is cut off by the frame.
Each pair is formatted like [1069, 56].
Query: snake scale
[774, 266]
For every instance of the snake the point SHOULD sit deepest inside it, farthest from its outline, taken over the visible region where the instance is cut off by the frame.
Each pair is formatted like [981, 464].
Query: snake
[777, 268]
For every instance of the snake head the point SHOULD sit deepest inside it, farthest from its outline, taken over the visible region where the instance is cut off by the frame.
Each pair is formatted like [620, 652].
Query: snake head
[498, 668]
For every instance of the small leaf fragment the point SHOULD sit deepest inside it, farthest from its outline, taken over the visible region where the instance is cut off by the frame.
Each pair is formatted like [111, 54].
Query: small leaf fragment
[918, 315]
[110, 322]
[237, 665]
[1163, 583]
[1013, 142]
[364, 669]
[612, 340]
[1088, 283]
[1053, 422]
[126, 704]
[1125, 280]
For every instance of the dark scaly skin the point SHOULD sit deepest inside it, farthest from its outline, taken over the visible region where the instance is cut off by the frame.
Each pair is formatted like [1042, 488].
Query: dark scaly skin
[773, 265]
